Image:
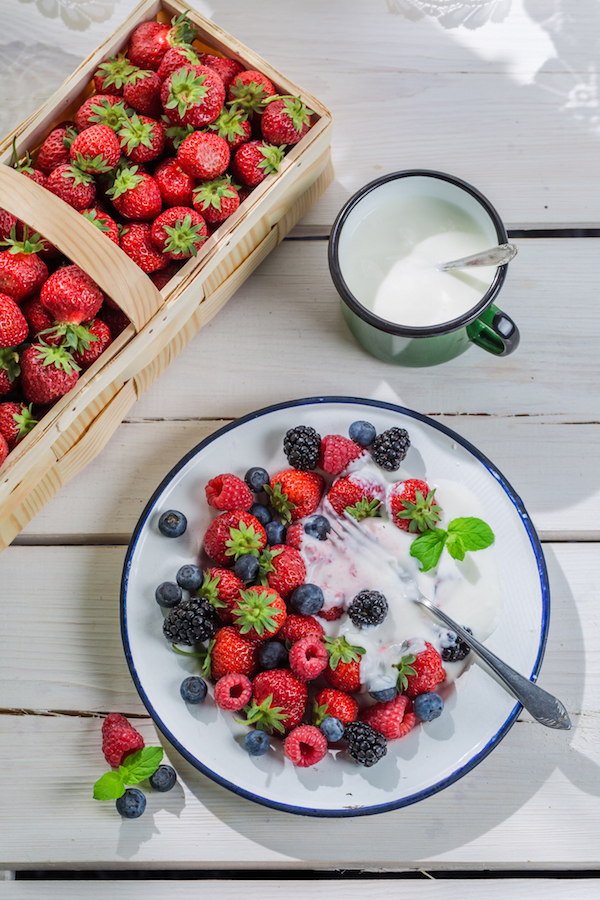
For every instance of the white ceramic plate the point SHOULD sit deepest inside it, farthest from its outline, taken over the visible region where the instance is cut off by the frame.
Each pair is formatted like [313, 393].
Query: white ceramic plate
[478, 713]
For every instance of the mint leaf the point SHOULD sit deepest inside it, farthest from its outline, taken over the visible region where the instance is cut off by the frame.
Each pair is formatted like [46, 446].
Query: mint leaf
[474, 534]
[140, 765]
[428, 547]
[455, 546]
[109, 787]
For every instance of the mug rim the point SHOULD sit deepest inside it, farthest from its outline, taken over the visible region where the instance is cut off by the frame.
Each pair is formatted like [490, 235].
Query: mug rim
[420, 331]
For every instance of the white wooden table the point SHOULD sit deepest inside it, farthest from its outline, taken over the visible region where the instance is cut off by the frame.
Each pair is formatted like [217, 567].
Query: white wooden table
[508, 101]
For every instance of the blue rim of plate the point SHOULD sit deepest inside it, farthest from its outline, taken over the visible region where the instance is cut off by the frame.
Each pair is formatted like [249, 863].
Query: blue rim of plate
[462, 770]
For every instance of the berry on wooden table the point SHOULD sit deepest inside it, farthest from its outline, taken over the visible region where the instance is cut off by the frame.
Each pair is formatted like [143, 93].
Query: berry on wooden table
[119, 739]
[132, 804]
[164, 779]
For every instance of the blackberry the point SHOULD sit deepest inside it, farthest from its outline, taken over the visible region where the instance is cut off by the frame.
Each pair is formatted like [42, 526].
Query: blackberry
[192, 622]
[455, 649]
[390, 447]
[368, 608]
[365, 745]
[302, 446]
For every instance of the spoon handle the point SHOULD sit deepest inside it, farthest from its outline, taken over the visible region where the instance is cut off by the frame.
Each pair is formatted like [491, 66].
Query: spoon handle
[545, 708]
[495, 256]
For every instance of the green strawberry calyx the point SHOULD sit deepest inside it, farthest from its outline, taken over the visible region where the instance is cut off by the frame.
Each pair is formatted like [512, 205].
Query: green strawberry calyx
[209, 589]
[183, 238]
[210, 193]
[187, 91]
[254, 612]
[320, 713]
[243, 539]
[78, 176]
[341, 651]
[136, 767]
[9, 362]
[268, 718]
[134, 132]
[93, 164]
[228, 123]
[423, 513]
[113, 115]
[182, 31]
[58, 357]
[280, 502]
[76, 337]
[249, 97]
[25, 420]
[365, 509]
[266, 564]
[405, 668]
[117, 70]
[97, 218]
[28, 244]
[295, 109]
[24, 166]
[127, 180]
[272, 157]
[176, 133]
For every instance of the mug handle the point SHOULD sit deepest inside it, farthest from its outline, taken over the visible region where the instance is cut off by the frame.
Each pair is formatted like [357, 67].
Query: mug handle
[495, 332]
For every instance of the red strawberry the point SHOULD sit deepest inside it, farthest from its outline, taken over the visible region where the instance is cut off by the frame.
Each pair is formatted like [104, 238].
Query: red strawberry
[227, 492]
[13, 324]
[337, 452]
[137, 243]
[116, 319]
[27, 168]
[175, 185]
[151, 40]
[111, 76]
[175, 58]
[254, 161]
[142, 138]
[47, 251]
[179, 232]
[103, 222]
[229, 651]
[203, 155]
[305, 746]
[22, 272]
[259, 613]
[338, 704]
[279, 700]
[75, 187]
[47, 373]
[71, 296]
[142, 92]
[360, 496]
[16, 420]
[7, 223]
[3, 449]
[285, 121]
[119, 739]
[9, 370]
[412, 506]
[282, 568]
[226, 68]
[331, 614]
[96, 149]
[101, 332]
[216, 199]
[294, 535]
[163, 277]
[297, 627]
[221, 587]
[192, 96]
[308, 657]
[421, 673]
[37, 317]
[136, 195]
[343, 671]
[295, 494]
[249, 90]
[101, 109]
[54, 151]
[234, 126]
[393, 719]
[231, 535]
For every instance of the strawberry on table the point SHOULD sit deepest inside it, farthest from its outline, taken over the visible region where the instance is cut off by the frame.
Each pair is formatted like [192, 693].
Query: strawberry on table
[136, 195]
[136, 242]
[255, 160]
[22, 272]
[96, 149]
[392, 719]
[192, 96]
[420, 673]
[337, 704]
[258, 613]
[175, 185]
[343, 671]
[233, 534]
[249, 90]
[412, 506]
[105, 223]
[47, 373]
[71, 184]
[71, 296]
[295, 494]
[111, 76]
[151, 40]
[54, 151]
[234, 126]
[204, 155]
[285, 120]
[279, 701]
[179, 232]
[142, 92]
[229, 652]
[216, 200]
[16, 420]
[14, 327]
[282, 568]
[142, 139]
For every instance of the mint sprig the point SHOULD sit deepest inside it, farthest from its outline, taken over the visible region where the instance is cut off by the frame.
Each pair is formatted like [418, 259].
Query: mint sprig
[136, 767]
[463, 534]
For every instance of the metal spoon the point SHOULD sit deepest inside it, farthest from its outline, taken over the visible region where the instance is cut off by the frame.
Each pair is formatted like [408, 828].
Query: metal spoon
[495, 256]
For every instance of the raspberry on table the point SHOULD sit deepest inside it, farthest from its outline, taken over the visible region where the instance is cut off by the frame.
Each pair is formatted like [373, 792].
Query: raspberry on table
[119, 739]
[305, 745]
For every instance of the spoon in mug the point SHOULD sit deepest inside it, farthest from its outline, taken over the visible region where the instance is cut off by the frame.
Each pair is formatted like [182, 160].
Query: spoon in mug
[495, 256]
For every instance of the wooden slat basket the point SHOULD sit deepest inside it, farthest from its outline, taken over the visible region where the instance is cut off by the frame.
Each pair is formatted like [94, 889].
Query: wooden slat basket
[162, 322]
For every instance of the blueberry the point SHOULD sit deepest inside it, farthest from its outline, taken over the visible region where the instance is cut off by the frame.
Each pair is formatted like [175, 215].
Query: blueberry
[257, 743]
[307, 599]
[385, 695]
[246, 567]
[193, 689]
[164, 779]
[333, 729]
[168, 594]
[318, 527]
[273, 655]
[190, 577]
[172, 523]
[428, 706]
[256, 478]
[276, 532]
[132, 804]
[261, 512]
[362, 433]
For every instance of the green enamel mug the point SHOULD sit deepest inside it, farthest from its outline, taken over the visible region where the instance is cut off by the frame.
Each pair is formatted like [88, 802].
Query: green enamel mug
[398, 215]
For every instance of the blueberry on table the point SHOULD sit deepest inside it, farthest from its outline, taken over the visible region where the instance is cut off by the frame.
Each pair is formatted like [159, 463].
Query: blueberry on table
[317, 527]
[385, 695]
[190, 577]
[273, 655]
[257, 743]
[164, 779]
[261, 512]
[362, 433]
[428, 706]
[246, 567]
[172, 523]
[168, 594]
[332, 728]
[193, 689]
[132, 804]
[256, 478]
[276, 532]
[307, 599]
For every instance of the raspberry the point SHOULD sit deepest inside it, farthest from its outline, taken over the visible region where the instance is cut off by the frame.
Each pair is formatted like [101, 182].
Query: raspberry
[331, 614]
[305, 746]
[393, 719]
[337, 452]
[308, 658]
[233, 691]
[119, 739]
[297, 627]
[227, 492]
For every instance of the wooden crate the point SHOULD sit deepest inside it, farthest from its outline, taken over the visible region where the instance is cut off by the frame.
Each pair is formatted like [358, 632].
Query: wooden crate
[162, 322]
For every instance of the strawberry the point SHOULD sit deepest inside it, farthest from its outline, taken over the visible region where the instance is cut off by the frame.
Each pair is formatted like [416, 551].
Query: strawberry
[221, 587]
[175, 185]
[47, 251]
[7, 223]
[285, 120]
[101, 332]
[75, 187]
[282, 568]
[22, 272]
[294, 535]
[37, 318]
[54, 151]
[16, 420]
[103, 222]
[308, 657]
[233, 534]
[119, 739]
[279, 701]
[412, 506]
[164, 276]
[27, 168]
[136, 195]
[47, 373]
[305, 746]
[3, 449]
[111, 76]
[116, 319]
[204, 155]
[192, 96]
[71, 296]
[137, 243]
[422, 673]
[343, 671]
[142, 138]
[229, 652]
[151, 40]
[225, 492]
[227, 69]
[393, 719]
[337, 452]
[175, 58]
[142, 92]
[331, 614]
[101, 109]
[179, 232]
[338, 704]
[234, 126]
[295, 494]
[254, 161]
[358, 495]
[259, 613]
[175, 134]
[297, 627]
[216, 199]
[249, 90]
[13, 324]
[96, 149]
[9, 370]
